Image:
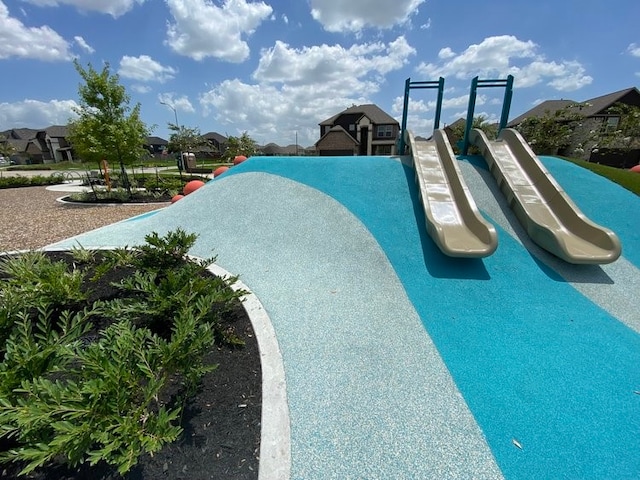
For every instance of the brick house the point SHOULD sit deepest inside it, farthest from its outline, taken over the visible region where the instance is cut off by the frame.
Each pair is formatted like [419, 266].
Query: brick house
[358, 130]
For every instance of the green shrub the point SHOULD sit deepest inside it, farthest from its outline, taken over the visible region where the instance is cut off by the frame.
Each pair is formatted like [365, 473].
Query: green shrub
[35, 181]
[86, 379]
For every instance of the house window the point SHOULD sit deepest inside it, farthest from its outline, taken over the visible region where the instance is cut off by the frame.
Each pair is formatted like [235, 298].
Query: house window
[352, 127]
[383, 150]
[385, 131]
[610, 124]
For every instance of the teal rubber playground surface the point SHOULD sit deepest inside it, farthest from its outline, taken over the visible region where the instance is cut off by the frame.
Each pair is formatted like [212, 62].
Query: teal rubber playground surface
[402, 363]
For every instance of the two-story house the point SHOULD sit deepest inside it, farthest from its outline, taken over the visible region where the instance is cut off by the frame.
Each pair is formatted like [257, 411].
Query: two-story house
[358, 130]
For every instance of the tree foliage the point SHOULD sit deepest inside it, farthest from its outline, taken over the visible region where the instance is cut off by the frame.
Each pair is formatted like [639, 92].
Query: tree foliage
[185, 139]
[626, 134]
[456, 131]
[107, 126]
[6, 149]
[243, 145]
[552, 131]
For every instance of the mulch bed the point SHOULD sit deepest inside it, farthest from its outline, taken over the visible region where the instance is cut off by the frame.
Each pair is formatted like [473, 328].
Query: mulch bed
[221, 438]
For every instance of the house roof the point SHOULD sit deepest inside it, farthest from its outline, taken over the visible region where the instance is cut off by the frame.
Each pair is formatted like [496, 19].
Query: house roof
[339, 130]
[598, 105]
[19, 144]
[588, 108]
[373, 112]
[22, 133]
[156, 141]
[540, 110]
[57, 131]
[215, 136]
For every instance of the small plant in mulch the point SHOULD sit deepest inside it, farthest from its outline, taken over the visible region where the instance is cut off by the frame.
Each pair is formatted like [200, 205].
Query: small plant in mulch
[100, 352]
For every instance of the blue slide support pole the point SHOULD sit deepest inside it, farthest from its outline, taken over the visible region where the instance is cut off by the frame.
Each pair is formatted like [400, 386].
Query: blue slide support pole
[405, 112]
[470, 110]
[506, 104]
[436, 122]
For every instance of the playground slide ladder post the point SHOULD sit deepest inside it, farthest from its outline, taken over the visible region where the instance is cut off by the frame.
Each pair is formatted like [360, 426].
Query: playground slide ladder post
[506, 105]
[409, 85]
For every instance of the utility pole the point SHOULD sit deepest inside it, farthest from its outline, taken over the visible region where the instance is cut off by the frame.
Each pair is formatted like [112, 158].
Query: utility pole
[181, 164]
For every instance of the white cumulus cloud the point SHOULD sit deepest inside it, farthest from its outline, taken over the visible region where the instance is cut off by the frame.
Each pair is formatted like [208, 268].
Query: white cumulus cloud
[145, 69]
[203, 29]
[335, 64]
[504, 55]
[180, 103]
[115, 8]
[356, 15]
[82, 43]
[299, 87]
[36, 114]
[18, 40]
[634, 50]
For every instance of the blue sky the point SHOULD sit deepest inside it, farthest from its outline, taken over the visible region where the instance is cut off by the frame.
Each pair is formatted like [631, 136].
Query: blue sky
[277, 68]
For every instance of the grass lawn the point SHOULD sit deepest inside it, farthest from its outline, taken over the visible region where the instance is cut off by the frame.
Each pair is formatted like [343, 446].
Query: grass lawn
[626, 178]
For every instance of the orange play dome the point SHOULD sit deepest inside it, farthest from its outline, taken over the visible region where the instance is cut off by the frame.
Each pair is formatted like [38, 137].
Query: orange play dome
[219, 171]
[192, 186]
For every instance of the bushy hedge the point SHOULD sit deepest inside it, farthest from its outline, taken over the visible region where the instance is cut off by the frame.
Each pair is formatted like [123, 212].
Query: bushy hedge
[35, 181]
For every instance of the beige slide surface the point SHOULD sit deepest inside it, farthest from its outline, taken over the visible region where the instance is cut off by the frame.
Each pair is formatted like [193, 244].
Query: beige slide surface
[453, 220]
[543, 208]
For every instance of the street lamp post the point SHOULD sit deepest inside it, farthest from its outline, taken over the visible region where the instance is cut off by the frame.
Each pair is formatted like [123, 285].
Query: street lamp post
[175, 112]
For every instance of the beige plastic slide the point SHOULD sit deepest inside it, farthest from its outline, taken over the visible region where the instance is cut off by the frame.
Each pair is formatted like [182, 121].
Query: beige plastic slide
[543, 208]
[453, 220]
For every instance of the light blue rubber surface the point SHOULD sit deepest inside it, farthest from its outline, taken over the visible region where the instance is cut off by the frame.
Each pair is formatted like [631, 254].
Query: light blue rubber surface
[538, 363]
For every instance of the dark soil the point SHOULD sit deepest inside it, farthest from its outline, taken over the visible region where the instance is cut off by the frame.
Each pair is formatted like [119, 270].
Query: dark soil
[134, 199]
[221, 438]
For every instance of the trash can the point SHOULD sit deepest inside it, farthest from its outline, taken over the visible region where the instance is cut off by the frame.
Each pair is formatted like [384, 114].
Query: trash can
[189, 161]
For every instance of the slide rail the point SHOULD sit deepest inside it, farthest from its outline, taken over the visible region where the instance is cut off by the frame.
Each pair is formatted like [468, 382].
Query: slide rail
[547, 213]
[452, 217]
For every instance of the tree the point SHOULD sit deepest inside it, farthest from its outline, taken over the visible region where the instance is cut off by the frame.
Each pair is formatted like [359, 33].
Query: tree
[185, 139]
[6, 149]
[624, 135]
[243, 145]
[456, 131]
[107, 127]
[552, 131]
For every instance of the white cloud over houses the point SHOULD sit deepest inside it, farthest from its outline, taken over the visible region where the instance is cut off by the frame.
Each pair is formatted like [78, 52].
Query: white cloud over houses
[504, 55]
[36, 114]
[299, 87]
[40, 43]
[334, 64]
[202, 29]
[115, 8]
[145, 69]
[356, 15]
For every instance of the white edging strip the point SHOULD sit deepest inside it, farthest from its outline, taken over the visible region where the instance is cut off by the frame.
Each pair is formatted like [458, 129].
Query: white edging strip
[275, 431]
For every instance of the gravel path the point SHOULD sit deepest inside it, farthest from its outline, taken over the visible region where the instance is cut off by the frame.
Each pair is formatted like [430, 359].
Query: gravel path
[32, 218]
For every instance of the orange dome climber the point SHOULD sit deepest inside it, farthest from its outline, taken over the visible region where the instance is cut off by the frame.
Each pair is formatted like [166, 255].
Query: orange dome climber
[192, 186]
[219, 171]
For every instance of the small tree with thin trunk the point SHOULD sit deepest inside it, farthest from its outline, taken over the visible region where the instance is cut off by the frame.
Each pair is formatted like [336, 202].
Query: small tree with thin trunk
[185, 139]
[242, 145]
[107, 128]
